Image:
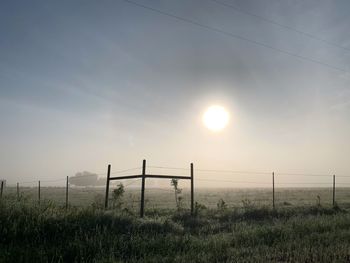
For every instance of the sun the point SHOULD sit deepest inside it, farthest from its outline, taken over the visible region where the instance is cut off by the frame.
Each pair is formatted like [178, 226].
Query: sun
[216, 118]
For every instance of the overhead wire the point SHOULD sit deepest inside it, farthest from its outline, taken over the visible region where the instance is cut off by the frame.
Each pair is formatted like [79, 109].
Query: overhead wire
[236, 36]
[268, 20]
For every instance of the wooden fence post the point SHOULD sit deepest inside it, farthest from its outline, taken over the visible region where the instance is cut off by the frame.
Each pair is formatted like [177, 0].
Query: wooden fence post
[192, 189]
[333, 190]
[107, 185]
[17, 191]
[273, 190]
[2, 188]
[142, 207]
[67, 186]
[39, 192]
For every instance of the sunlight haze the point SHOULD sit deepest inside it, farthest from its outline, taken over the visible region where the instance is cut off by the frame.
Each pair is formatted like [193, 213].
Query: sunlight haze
[83, 85]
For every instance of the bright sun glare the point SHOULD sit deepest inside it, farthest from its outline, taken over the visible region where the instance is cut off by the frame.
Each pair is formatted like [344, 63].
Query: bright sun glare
[216, 118]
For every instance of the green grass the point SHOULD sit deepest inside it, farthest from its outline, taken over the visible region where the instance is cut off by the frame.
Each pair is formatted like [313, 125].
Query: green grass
[49, 233]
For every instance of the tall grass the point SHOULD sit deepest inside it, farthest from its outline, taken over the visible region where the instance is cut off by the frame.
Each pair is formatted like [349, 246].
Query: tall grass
[49, 233]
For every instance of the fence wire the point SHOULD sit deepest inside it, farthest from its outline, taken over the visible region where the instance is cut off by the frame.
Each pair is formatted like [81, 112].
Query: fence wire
[289, 189]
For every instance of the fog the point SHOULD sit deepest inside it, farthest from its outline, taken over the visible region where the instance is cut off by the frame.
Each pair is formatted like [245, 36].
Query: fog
[84, 85]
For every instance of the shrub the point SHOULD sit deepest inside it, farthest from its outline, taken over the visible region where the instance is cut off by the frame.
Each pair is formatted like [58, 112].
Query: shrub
[98, 202]
[221, 205]
[117, 196]
[177, 192]
[198, 208]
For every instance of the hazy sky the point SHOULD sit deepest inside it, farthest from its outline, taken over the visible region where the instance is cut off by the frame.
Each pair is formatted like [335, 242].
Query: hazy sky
[87, 83]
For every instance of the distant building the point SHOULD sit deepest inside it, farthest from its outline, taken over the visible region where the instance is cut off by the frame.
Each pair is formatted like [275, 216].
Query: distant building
[84, 179]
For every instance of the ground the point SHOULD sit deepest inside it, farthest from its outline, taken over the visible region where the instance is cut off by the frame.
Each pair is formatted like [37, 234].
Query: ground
[242, 230]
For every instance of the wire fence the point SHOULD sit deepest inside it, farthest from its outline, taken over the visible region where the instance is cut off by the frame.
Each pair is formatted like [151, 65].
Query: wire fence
[234, 187]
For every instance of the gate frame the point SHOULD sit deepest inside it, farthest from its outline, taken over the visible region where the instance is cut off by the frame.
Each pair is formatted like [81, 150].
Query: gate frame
[143, 176]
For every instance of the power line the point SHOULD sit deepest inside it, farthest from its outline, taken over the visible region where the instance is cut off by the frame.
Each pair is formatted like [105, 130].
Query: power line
[312, 36]
[223, 32]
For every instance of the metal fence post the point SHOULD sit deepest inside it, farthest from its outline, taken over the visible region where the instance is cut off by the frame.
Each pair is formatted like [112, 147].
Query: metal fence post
[2, 188]
[39, 192]
[192, 189]
[333, 190]
[67, 186]
[142, 207]
[273, 190]
[107, 185]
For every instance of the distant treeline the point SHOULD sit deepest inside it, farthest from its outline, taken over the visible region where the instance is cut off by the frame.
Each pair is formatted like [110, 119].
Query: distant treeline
[86, 179]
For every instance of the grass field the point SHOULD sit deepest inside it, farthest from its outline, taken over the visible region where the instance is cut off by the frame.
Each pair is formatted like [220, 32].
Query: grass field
[246, 230]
